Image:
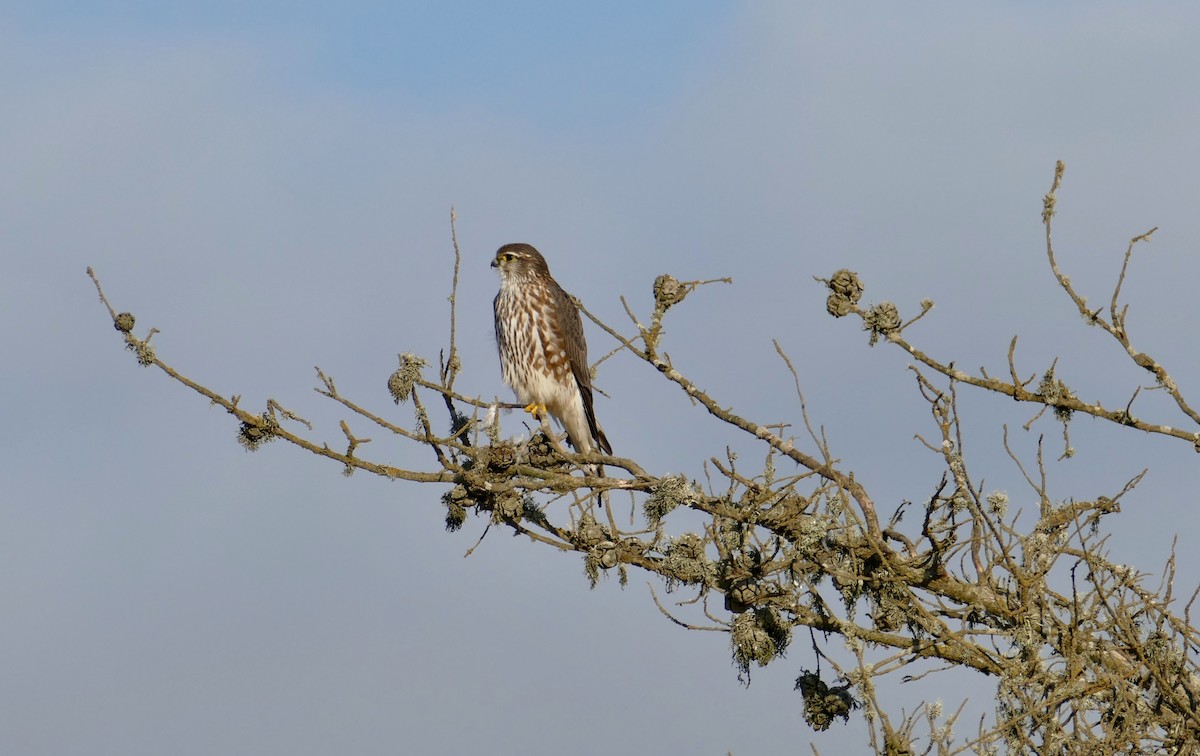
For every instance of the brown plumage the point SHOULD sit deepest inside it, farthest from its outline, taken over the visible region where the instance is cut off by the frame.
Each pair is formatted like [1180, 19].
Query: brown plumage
[543, 353]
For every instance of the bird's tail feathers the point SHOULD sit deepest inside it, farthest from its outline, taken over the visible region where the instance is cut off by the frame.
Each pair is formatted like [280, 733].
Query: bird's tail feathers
[593, 426]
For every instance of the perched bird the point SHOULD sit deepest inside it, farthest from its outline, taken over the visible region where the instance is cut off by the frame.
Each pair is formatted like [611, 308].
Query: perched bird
[543, 354]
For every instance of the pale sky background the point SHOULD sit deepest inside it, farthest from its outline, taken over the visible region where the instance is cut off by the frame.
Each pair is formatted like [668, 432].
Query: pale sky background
[269, 184]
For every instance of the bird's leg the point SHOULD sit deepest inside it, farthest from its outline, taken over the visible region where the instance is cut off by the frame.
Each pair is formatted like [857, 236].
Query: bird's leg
[538, 411]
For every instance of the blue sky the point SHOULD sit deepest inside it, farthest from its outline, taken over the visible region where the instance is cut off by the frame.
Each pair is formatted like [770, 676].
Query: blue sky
[270, 186]
[559, 66]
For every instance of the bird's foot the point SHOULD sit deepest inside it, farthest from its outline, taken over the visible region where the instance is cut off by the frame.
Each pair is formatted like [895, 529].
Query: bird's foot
[537, 410]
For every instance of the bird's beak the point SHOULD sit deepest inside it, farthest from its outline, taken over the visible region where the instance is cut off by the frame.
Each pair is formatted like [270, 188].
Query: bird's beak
[495, 263]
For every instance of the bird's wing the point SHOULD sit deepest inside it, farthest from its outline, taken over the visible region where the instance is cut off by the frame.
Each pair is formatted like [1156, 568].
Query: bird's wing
[576, 347]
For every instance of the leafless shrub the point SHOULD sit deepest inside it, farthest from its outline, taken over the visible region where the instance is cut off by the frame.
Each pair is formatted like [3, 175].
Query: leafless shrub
[1086, 657]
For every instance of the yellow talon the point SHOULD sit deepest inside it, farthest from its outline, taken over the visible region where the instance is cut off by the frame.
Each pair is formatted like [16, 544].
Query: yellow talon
[537, 410]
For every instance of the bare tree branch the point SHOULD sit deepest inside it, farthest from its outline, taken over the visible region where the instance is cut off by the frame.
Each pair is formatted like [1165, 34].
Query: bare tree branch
[1084, 656]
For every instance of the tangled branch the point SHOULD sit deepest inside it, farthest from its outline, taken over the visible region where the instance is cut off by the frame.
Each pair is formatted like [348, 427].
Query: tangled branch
[1083, 654]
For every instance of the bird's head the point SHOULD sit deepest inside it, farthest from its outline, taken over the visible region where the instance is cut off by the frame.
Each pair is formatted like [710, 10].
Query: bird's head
[518, 261]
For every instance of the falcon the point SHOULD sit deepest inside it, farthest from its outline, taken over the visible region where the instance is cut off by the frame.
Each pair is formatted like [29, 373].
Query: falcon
[543, 354]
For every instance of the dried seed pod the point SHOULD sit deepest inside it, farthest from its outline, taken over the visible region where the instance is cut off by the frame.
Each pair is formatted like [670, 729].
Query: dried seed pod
[668, 291]
[124, 322]
[846, 283]
[589, 533]
[607, 554]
